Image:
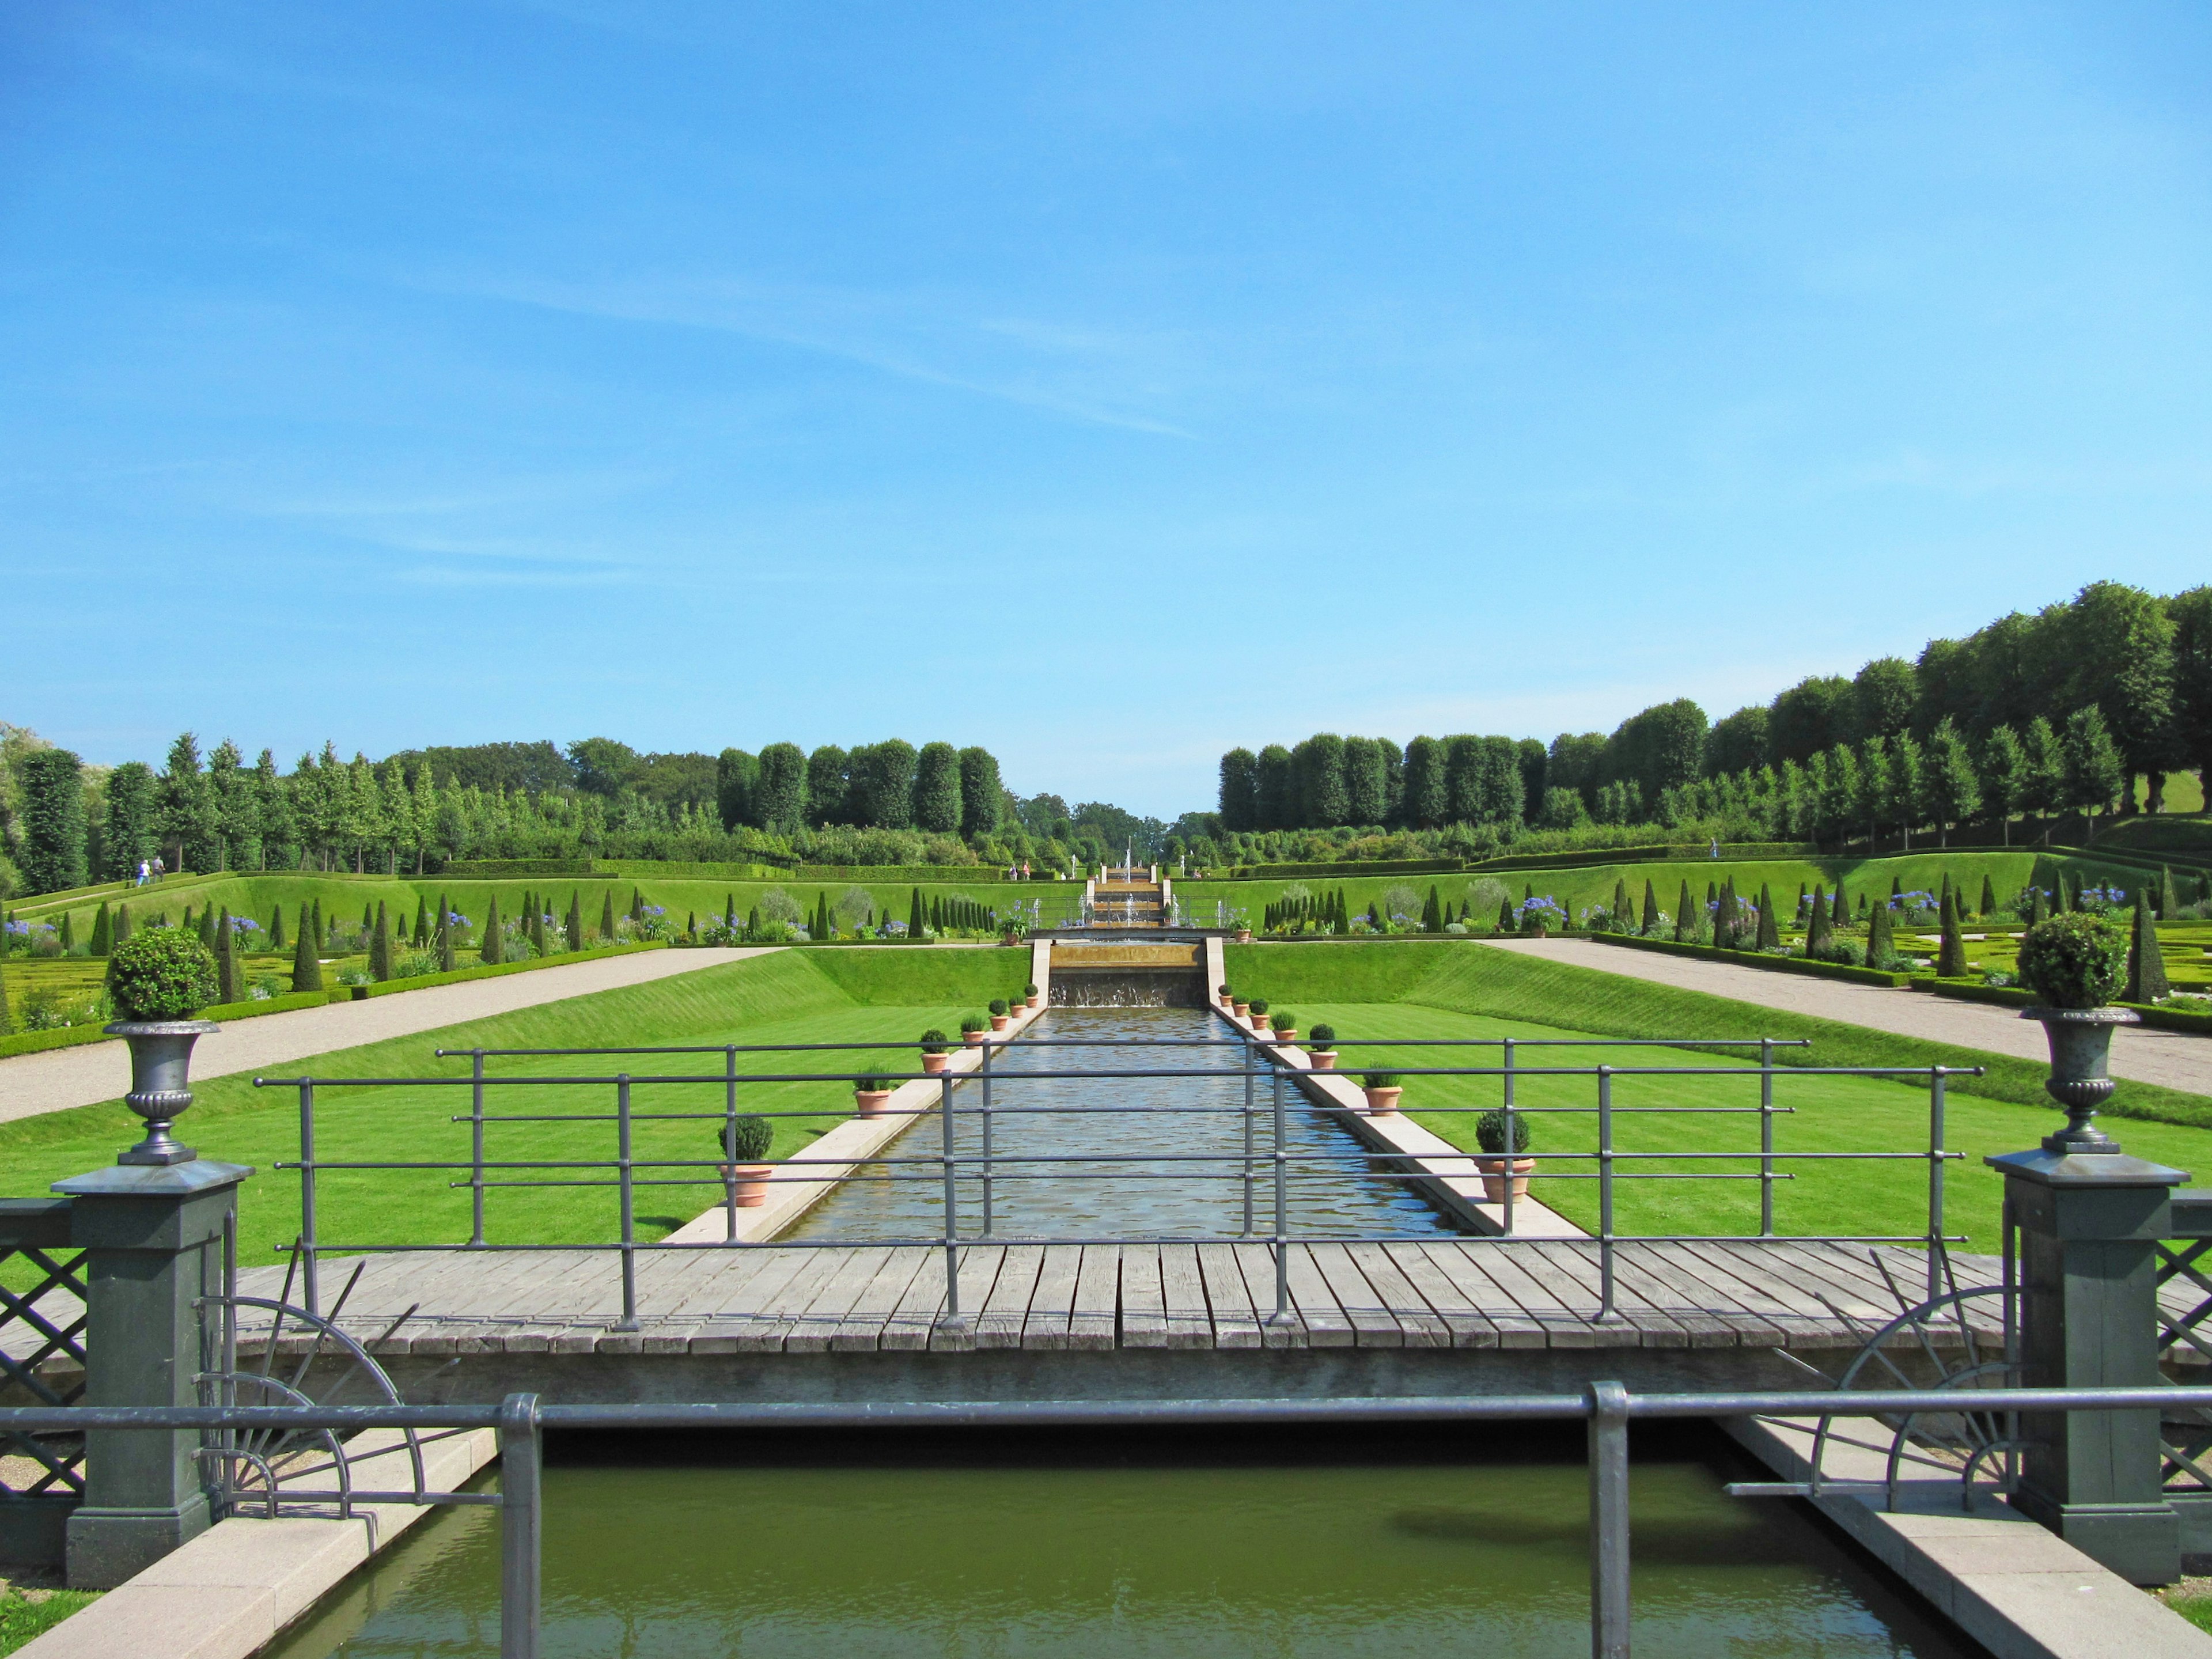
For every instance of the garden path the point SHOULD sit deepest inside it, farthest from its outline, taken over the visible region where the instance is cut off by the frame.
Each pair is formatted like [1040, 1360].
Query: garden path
[63, 1078]
[2175, 1060]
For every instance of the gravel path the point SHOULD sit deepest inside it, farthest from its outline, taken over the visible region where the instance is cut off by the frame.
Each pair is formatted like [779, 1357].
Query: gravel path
[2175, 1059]
[62, 1078]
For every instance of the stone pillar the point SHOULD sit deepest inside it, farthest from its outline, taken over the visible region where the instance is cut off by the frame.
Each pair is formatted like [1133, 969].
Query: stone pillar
[155, 1235]
[2089, 1224]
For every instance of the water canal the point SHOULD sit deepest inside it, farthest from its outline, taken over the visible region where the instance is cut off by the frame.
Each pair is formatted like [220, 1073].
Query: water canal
[1229, 1545]
[1186, 1137]
[1350, 1542]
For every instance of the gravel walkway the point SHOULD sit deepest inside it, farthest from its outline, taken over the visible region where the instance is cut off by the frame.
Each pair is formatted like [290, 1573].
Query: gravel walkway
[62, 1078]
[2175, 1059]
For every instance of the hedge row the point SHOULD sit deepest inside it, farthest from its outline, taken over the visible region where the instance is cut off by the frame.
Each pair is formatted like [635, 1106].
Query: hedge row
[1738, 851]
[1346, 867]
[1755, 959]
[2156, 1016]
[656, 870]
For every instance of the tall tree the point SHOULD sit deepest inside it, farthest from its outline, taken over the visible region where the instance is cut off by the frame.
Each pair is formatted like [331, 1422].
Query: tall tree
[1320, 800]
[2120, 654]
[1952, 791]
[1883, 698]
[779, 804]
[2094, 771]
[51, 855]
[182, 807]
[1239, 798]
[2191, 612]
[828, 782]
[2043, 778]
[936, 802]
[736, 775]
[1366, 784]
[982, 794]
[1278, 790]
[131, 835]
[1428, 792]
[2004, 777]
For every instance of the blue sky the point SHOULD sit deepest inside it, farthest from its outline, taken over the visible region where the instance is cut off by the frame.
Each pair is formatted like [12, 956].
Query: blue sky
[1108, 385]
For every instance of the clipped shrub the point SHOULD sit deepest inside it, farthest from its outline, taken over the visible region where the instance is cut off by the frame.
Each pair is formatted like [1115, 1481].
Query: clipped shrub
[872, 1083]
[1322, 1037]
[999, 1006]
[1028, 990]
[746, 1139]
[1490, 1131]
[934, 1041]
[1285, 1021]
[2147, 981]
[974, 1023]
[306, 966]
[2074, 961]
[162, 973]
[1380, 1081]
[1258, 1005]
[1951, 954]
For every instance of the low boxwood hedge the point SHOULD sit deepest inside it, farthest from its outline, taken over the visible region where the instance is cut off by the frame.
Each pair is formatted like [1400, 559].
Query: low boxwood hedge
[1754, 959]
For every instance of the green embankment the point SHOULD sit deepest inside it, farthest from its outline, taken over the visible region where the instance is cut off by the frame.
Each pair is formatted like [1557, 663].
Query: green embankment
[889, 995]
[1417, 990]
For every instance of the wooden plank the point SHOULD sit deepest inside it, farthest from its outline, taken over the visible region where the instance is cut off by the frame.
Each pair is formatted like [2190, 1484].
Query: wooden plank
[1467, 1325]
[979, 1271]
[1579, 1264]
[999, 1323]
[746, 1321]
[1094, 1323]
[1256, 1263]
[1756, 1314]
[1419, 1326]
[1514, 1329]
[915, 1318]
[1182, 1294]
[1688, 1300]
[1563, 1327]
[1144, 1304]
[863, 1326]
[1236, 1321]
[1327, 1324]
[1804, 1321]
[1373, 1325]
[825, 1314]
[1053, 1301]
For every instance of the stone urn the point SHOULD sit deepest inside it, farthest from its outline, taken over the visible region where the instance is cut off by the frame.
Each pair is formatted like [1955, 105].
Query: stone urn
[869, 1102]
[1382, 1102]
[934, 1064]
[160, 1063]
[2080, 1050]
[748, 1184]
[1324, 1060]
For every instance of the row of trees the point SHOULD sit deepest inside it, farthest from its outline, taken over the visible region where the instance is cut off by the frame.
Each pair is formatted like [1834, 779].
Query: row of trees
[937, 789]
[2141, 662]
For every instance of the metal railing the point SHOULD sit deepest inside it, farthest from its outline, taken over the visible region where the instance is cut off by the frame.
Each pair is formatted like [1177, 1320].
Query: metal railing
[1252, 1165]
[1607, 1408]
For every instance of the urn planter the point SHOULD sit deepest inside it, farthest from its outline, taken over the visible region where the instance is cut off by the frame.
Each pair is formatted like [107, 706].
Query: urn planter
[2081, 1053]
[161, 1067]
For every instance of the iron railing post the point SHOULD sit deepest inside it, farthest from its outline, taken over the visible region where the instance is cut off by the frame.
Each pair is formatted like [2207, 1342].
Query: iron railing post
[476, 1149]
[308, 1279]
[952, 1314]
[1605, 1310]
[1608, 1521]
[520, 1526]
[1282, 1314]
[1512, 1147]
[729, 1140]
[1250, 1173]
[984, 1071]
[1766, 1137]
[1938, 1078]
[628, 1189]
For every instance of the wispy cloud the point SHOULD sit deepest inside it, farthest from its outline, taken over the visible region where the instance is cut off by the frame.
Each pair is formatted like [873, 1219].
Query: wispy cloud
[913, 337]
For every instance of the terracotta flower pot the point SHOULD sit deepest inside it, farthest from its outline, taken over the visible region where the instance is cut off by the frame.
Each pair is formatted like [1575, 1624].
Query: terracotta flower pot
[1032, 1002]
[973, 1039]
[870, 1101]
[1287, 1033]
[1259, 1022]
[1382, 1102]
[1243, 935]
[998, 1022]
[1537, 932]
[1324, 1060]
[934, 1064]
[1237, 1007]
[750, 1182]
[1493, 1177]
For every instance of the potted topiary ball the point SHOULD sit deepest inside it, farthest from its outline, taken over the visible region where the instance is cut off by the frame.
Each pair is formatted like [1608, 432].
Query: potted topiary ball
[1490, 1134]
[1259, 1007]
[1321, 1047]
[869, 1094]
[933, 1045]
[158, 979]
[1000, 1016]
[746, 1142]
[973, 1031]
[2074, 964]
[1029, 994]
[1383, 1090]
[1222, 990]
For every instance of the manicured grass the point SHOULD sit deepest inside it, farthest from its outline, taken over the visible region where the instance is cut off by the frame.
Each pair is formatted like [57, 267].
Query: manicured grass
[1476, 979]
[21, 1617]
[786, 997]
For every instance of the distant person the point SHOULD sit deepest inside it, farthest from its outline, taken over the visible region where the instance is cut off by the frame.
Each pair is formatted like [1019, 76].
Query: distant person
[141, 882]
[1715, 851]
[160, 869]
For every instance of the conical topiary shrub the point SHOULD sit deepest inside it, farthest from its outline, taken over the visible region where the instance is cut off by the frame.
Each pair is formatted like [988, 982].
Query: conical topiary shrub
[380, 945]
[494, 948]
[607, 918]
[306, 966]
[122, 925]
[1950, 953]
[1881, 942]
[1840, 915]
[449, 949]
[1686, 926]
[103, 934]
[1769, 936]
[227, 989]
[2146, 969]
[575, 925]
[1989, 905]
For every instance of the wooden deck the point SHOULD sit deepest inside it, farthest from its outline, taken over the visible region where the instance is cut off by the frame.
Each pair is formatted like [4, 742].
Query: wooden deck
[831, 1299]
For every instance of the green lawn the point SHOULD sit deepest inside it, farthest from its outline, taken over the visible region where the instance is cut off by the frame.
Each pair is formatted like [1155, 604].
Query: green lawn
[1436, 990]
[891, 995]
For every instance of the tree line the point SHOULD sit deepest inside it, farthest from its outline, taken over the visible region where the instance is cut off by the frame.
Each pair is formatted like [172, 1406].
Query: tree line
[2112, 685]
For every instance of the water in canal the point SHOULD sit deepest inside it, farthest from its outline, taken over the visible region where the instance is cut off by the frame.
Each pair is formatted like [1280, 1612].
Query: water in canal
[1186, 1137]
[1302, 1544]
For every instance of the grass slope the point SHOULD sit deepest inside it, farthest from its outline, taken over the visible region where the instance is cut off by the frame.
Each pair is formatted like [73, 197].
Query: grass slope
[890, 995]
[1425, 990]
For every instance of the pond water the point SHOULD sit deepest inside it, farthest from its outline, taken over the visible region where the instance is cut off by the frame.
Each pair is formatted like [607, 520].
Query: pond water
[1413, 1543]
[1160, 1121]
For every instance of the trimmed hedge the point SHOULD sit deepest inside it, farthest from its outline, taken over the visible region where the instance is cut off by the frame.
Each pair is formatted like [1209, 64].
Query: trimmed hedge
[1737, 851]
[1753, 959]
[1347, 867]
[498, 970]
[656, 870]
[2154, 1015]
[69, 1036]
